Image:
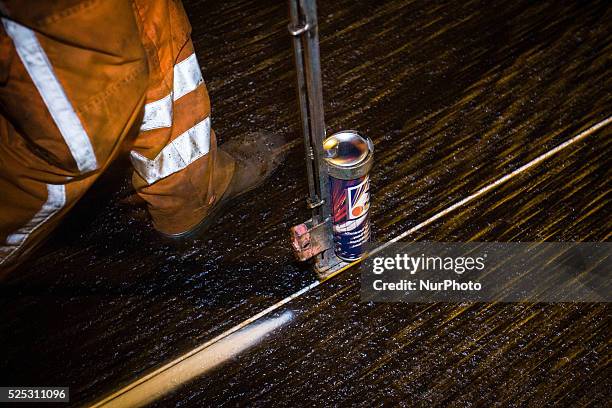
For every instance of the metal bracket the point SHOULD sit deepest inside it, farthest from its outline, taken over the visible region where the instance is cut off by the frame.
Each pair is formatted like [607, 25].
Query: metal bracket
[297, 30]
[309, 239]
[314, 238]
[312, 204]
[329, 264]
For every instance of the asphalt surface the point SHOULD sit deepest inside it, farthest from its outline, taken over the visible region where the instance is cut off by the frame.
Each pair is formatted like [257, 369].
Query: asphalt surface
[454, 95]
[339, 351]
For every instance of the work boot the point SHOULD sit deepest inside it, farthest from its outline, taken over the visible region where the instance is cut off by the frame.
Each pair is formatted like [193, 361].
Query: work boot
[257, 155]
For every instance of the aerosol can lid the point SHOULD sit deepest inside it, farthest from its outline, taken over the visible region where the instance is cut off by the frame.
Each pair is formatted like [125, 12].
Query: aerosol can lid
[348, 154]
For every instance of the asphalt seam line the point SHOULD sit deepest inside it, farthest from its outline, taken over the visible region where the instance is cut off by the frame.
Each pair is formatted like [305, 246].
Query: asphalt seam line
[534, 162]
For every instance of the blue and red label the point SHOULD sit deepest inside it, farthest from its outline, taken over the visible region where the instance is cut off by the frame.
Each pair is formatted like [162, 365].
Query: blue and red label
[350, 216]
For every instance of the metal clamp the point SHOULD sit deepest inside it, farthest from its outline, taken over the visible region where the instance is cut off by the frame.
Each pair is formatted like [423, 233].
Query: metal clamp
[295, 31]
[312, 204]
[309, 240]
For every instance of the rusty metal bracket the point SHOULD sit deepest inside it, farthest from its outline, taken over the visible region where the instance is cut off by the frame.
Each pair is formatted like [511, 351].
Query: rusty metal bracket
[309, 239]
[312, 241]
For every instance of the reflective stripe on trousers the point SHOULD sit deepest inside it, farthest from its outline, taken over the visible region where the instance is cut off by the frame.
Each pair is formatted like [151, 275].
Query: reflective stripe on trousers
[188, 146]
[36, 63]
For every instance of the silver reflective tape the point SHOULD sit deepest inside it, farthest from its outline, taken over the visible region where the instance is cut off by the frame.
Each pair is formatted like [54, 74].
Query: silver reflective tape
[187, 77]
[178, 154]
[56, 200]
[40, 70]
[157, 114]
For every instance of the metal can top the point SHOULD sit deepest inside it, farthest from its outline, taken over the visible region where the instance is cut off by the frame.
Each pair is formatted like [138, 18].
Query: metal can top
[345, 149]
[348, 154]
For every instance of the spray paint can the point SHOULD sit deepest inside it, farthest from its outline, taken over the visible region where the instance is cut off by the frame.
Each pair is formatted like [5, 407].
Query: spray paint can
[349, 159]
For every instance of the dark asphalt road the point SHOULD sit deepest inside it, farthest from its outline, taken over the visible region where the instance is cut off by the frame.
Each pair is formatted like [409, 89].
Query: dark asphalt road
[454, 95]
[338, 351]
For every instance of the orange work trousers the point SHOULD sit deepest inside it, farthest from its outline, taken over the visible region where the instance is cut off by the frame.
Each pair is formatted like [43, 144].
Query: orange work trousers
[77, 78]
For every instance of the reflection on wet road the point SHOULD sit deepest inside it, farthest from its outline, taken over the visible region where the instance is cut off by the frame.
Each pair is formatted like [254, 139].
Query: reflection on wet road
[196, 363]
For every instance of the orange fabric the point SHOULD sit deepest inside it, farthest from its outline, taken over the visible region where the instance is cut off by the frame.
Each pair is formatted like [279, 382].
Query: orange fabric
[180, 201]
[110, 57]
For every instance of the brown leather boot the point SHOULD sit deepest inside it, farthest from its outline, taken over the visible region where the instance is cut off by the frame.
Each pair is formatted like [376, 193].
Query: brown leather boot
[257, 156]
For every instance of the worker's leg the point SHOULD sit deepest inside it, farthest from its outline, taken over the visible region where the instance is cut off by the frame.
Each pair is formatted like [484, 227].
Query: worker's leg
[179, 171]
[73, 77]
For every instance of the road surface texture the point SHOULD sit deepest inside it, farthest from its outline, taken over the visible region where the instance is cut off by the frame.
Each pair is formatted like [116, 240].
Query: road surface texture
[454, 95]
